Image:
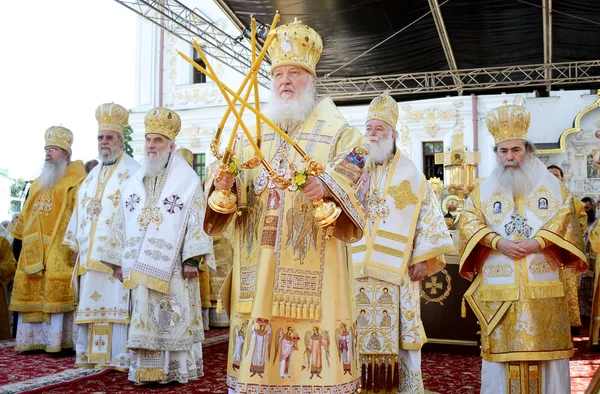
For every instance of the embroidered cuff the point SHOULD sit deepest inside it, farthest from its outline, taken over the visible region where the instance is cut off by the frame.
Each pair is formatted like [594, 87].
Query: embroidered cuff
[490, 240]
[542, 242]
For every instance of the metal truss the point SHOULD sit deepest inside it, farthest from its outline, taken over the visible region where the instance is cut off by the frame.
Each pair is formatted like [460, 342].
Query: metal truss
[189, 25]
[553, 74]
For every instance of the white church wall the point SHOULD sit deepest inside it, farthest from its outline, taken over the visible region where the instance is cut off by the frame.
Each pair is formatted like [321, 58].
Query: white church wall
[201, 107]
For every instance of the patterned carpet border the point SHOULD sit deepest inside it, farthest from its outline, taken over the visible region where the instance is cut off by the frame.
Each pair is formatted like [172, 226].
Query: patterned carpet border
[43, 383]
[70, 376]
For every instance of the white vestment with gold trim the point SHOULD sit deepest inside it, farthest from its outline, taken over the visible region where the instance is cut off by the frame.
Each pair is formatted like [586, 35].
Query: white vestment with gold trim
[406, 227]
[166, 332]
[102, 313]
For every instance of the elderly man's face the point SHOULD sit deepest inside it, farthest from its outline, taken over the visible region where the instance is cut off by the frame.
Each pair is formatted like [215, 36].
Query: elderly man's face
[54, 153]
[290, 81]
[377, 130]
[156, 144]
[512, 153]
[556, 173]
[108, 143]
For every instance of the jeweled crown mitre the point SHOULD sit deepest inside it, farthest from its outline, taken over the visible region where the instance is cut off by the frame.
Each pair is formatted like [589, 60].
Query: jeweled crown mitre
[112, 117]
[163, 121]
[296, 44]
[384, 108]
[508, 122]
[59, 136]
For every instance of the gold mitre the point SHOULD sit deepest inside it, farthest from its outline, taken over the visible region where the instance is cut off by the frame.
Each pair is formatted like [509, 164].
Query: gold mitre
[508, 122]
[163, 121]
[187, 155]
[296, 44]
[384, 108]
[112, 117]
[59, 136]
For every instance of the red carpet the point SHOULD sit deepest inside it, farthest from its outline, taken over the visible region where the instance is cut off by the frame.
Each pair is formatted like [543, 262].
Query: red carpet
[442, 373]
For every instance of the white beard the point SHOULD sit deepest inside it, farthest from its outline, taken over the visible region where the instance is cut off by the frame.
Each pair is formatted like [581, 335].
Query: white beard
[515, 180]
[108, 157]
[52, 172]
[293, 109]
[155, 166]
[382, 150]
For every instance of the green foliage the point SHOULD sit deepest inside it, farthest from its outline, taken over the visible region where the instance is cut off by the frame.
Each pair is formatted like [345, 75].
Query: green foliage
[17, 187]
[127, 133]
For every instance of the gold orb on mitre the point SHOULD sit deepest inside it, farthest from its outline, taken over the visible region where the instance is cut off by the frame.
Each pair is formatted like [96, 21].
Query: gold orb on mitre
[112, 117]
[187, 155]
[60, 137]
[163, 121]
[296, 44]
[508, 122]
[384, 108]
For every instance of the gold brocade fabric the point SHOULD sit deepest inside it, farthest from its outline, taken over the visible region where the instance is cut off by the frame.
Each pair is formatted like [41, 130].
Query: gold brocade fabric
[204, 279]
[572, 296]
[532, 327]
[292, 305]
[8, 265]
[43, 277]
[594, 239]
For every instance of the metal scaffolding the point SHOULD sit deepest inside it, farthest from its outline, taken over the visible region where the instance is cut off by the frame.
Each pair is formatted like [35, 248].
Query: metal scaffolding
[555, 74]
[189, 25]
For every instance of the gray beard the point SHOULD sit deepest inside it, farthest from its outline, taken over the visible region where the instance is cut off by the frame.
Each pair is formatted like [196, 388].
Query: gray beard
[515, 180]
[52, 172]
[382, 150]
[155, 167]
[294, 109]
[108, 157]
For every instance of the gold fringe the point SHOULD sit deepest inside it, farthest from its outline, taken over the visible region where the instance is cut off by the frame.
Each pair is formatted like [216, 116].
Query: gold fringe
[553, 290]
[36, 317]
[499, 294]
[275, 308]
[390, 275]
[47, 349]
[150, 282]
[294, 310]
[99, 358]
[150, 375]
[311, 311]
[463, 308]
[288, 309]
[23, 307]
[318, 312]
[219, 305]
[305, 310]
[245, 306]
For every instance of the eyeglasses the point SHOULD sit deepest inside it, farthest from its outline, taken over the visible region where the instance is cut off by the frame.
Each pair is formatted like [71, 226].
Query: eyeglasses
[51, 150]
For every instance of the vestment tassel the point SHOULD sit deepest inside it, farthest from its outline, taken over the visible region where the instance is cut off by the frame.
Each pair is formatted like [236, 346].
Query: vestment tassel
[389, 383]
[396, 373]
[376, 383]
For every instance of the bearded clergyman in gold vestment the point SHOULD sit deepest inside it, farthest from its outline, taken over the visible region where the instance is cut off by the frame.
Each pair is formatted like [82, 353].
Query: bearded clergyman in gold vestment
[42, 292]
[291, 293]
[520, 253]
[404, 242]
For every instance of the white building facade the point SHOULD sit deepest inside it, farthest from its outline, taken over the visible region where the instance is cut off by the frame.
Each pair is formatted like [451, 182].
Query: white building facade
[163, 78]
